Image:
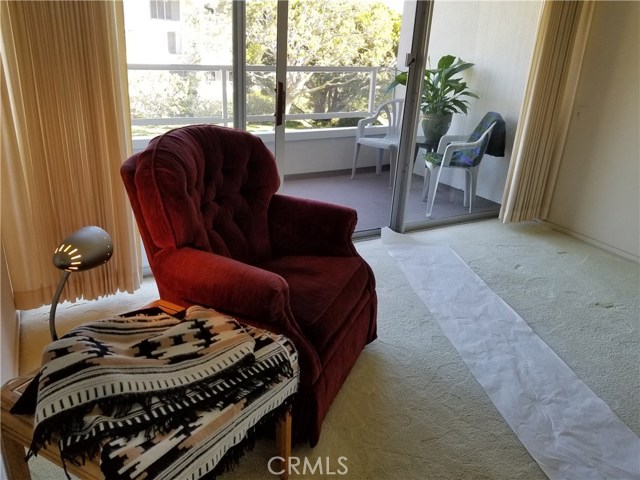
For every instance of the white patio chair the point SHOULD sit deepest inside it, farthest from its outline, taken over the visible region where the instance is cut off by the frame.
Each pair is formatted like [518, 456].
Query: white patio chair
[390, 112]
[461, 151]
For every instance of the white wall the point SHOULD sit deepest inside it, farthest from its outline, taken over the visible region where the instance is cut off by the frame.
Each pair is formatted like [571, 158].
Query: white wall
[323, 150]
[597, 190]
[9, 330]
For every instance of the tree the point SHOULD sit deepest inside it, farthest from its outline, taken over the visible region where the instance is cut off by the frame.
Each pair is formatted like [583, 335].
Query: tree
[321, 33]
[325, 33]
[175, 94]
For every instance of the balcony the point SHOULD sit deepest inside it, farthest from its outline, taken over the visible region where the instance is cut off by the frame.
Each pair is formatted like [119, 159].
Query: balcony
[370, 195]
[317, 160]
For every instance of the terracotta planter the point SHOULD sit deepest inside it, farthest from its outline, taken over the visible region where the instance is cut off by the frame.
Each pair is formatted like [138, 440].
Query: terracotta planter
[435, 125]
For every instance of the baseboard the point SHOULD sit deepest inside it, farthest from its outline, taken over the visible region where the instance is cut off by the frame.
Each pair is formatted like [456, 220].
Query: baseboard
[591, 241]
[333, 173]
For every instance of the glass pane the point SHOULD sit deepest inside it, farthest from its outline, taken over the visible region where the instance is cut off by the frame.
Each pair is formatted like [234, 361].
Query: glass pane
[159, 97]
[260, 93]
[341, 56]
[499, 55]
[195, 35]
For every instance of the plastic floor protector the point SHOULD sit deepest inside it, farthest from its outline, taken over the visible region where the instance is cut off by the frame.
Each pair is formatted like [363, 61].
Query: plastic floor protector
[564, 425]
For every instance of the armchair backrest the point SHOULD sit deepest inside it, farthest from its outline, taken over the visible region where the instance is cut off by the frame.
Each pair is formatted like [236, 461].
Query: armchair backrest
[204, 187]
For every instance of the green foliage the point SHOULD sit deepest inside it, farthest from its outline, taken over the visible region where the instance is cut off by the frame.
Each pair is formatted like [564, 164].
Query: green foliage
[259, 103]
[442, 92]
[333, 92]
[325, 33]
[341, 122]
[321, 33]
[207, 36]
[168, 94]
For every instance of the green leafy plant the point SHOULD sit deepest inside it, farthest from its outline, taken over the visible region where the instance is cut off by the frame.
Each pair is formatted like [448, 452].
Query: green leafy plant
[442, 92]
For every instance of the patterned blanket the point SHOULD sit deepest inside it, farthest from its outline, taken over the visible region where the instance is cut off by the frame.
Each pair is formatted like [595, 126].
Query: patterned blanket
[158, 396]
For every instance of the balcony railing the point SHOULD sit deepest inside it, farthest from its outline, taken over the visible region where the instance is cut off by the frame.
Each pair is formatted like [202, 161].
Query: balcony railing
[183, 94]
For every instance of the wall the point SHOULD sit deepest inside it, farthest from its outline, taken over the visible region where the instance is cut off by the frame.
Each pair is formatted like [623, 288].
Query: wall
[498, 37]
[9, 331]
[322, 150]
[597, 190]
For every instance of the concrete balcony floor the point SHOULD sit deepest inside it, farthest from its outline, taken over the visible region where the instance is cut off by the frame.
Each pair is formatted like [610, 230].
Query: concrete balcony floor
[370, 195]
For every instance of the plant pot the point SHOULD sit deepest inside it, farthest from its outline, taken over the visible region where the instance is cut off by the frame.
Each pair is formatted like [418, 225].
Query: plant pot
[434, 126]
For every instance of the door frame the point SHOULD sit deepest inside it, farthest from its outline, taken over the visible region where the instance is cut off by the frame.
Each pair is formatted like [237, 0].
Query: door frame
[281, 85]
[416, 62]
[239, 64]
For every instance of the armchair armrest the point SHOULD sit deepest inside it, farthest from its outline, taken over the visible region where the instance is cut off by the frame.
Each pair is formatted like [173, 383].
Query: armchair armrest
[301, 226]
[254, 295]
[204, 278]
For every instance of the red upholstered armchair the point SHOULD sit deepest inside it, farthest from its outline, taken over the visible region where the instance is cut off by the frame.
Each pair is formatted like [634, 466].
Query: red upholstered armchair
[217, 234]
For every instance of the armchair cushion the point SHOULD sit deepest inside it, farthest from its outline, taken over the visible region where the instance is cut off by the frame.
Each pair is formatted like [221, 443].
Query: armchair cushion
[324, 292]
[192, 277]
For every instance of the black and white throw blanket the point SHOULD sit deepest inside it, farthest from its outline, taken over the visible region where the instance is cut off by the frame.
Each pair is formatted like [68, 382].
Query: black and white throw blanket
[158, 396]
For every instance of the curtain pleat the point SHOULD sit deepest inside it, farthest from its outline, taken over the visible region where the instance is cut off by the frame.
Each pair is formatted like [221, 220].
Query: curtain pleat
[65, 133]
[546, 110]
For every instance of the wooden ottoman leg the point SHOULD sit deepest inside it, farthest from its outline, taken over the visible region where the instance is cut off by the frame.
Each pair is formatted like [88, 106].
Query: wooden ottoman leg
[13, 456]
[283, 442]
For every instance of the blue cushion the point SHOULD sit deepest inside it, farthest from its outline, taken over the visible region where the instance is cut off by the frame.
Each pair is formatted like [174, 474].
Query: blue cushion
[462, 158]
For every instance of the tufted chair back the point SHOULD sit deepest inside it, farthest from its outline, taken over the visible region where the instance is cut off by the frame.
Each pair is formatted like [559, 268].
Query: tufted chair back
[217, 184]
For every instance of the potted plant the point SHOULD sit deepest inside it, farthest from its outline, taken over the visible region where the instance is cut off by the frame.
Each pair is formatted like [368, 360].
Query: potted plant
[443, 94]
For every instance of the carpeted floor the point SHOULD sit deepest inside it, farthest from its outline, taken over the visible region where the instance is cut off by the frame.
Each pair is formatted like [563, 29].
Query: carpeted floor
[410, 408]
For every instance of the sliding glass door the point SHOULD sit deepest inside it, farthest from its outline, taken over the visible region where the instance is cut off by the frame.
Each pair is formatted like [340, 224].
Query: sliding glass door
[180, 64]
[302, 74]
[340, 61]
[497, 38]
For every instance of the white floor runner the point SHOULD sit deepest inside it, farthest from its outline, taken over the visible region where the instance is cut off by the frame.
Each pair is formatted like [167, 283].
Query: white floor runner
[566, 428]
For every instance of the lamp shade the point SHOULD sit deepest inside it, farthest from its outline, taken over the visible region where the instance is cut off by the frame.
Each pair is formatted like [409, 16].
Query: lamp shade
[85, 248]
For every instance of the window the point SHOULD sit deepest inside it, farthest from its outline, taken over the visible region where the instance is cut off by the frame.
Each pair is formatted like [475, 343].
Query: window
[174, 43]
[165, 9]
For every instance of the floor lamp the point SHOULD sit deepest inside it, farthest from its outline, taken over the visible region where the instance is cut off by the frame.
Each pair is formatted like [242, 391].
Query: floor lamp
[84, 249]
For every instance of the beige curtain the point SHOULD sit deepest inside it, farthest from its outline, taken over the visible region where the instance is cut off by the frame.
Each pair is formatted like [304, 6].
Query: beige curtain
[65, 132]
[546, 111]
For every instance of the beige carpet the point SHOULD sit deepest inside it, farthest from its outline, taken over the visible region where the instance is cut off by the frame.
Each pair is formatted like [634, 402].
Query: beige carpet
[410, 408]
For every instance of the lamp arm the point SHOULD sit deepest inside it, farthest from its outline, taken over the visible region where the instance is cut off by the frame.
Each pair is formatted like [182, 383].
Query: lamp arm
[54, 304]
